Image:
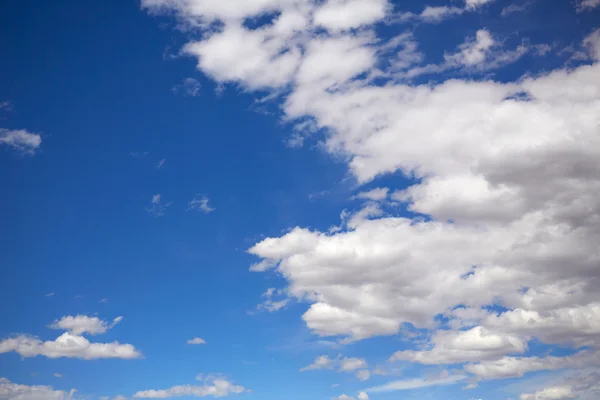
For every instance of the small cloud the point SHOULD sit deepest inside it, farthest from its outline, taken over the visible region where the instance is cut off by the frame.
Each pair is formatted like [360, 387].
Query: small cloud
[377, 194]
[188, 87]
[363, 375]
[196, 340]
[138, 154]
[161, 163]
[104, 300]
[49, 294]
[57, 375]
[21, 140]
[5, 105]
[200, 204]
[270, 304]
[157, 206]
[586, 5]
[78, 297]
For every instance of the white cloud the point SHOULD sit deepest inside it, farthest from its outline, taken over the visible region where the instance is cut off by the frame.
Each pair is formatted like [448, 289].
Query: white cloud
[49, 294]
[377, 194]
[359, 396]
[67, 345]
[592, 43]
[157, 206]
[161, 163]
[341, 364]
[71, 344]
[352, 364]
[337, 15]
[515, 367]
[586, 5]
[476, 344]
[188, 87]
[216, 387]
[579, 325]
[551, 393]
[15, 391]
[196, 340]
[437, 14]
[79, 324]
[363, 375]
[416, 383]
[473, 4]
[321, 362]
[506, 173]
[57, 375]
[200, 204]
[269, 303]
[21, 140]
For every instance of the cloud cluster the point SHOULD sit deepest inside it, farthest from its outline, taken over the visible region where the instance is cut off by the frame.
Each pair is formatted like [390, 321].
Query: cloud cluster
[506, 174]
[216, 387]
[15, 391]
[71, 344]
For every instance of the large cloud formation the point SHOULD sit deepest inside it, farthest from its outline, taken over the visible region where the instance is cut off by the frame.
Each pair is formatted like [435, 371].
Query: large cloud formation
[507, 174]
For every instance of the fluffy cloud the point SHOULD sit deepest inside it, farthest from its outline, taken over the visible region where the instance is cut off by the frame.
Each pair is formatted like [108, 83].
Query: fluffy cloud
[21, 140]
[80, 324]
[196, 340]
[476, 344]
[15, 391]
[551, 393]
[345, 14]
[514, 367]
[67, 345]
[506, 173]
[216, 387]
[71, 344]
[321, 362]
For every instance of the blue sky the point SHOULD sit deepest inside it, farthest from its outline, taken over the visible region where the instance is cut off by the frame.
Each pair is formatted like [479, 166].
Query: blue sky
[296, 199]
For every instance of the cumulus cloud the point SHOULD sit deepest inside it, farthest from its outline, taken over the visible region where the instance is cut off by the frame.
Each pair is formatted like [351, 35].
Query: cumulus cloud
[216, 387]
[476, 344]
[515, 367]
[196, 340]
[551, 393]
[15, 391]
[71, 344]
[21, 140]
[506, 174]
[67, 345]
[79, 324]
[338, 15]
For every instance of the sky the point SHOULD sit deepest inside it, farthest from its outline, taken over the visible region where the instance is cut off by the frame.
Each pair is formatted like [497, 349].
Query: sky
[300, 199]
